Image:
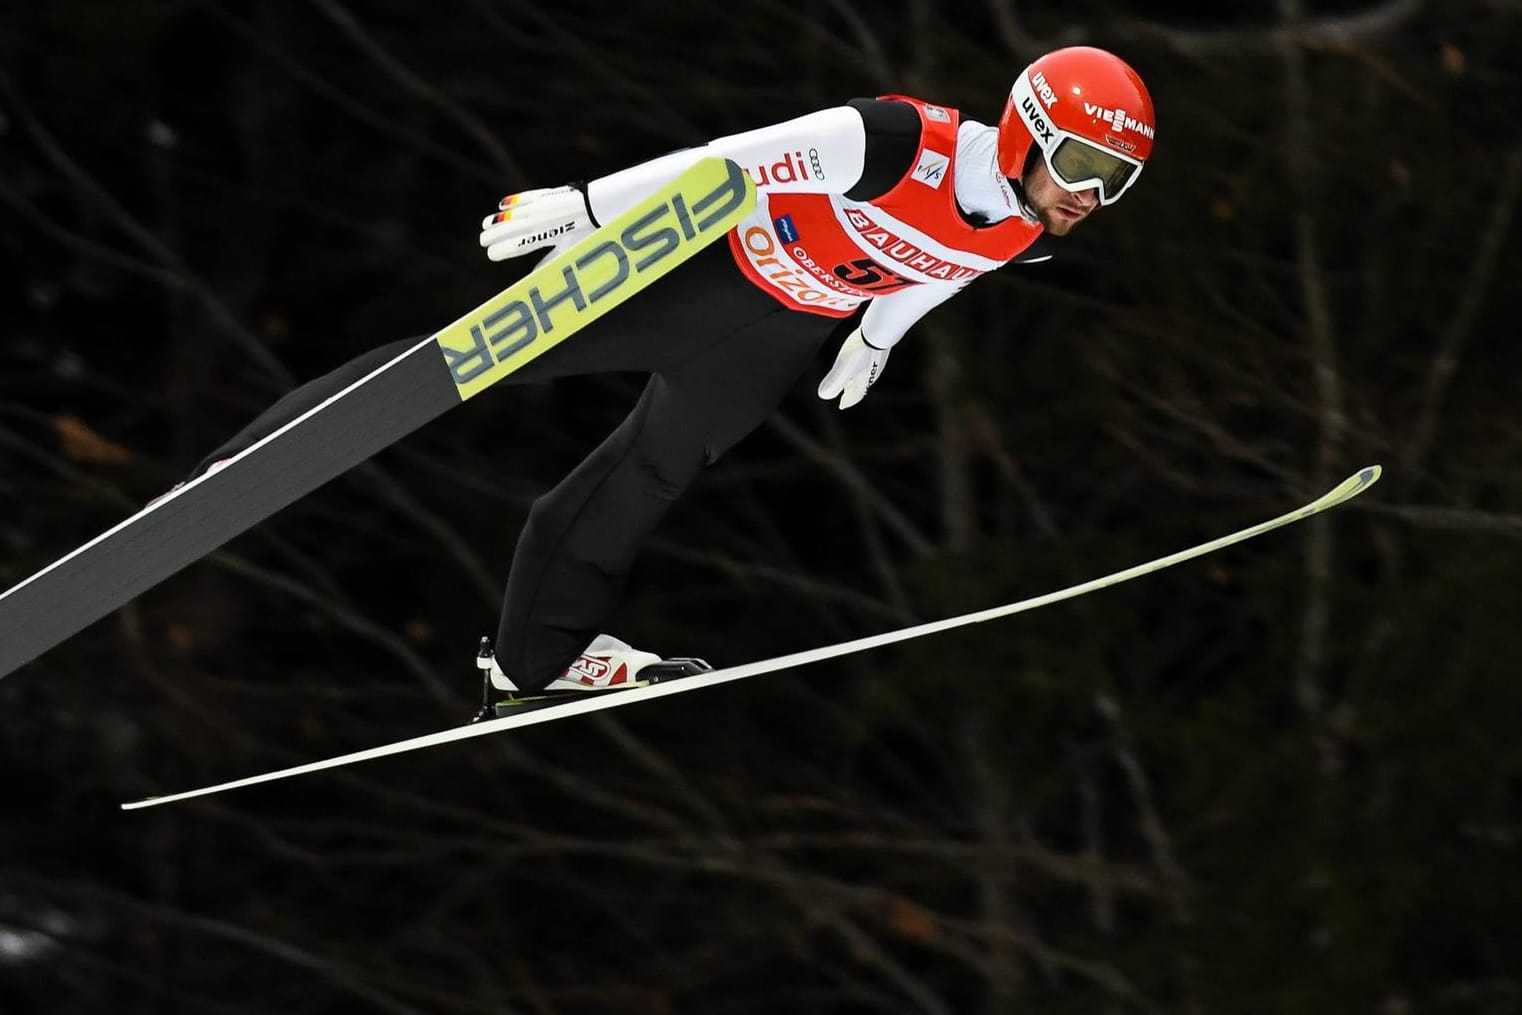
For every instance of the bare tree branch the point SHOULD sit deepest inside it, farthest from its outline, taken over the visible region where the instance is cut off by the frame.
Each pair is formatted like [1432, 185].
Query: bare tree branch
[1463, 320]
[1321, 335]
[173, 265]
[512, 172]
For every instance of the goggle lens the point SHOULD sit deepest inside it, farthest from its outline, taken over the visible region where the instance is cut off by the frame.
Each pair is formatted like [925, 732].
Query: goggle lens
[1075, 162]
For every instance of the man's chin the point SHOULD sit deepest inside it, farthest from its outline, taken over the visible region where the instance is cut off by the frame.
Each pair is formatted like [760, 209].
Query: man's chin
[1056, 223]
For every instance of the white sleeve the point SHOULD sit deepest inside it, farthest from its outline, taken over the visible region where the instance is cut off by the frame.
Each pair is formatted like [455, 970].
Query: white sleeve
[890, 315]
[819, 153]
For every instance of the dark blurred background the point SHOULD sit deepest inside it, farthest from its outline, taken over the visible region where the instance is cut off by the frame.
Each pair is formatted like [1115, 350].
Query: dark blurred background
[1282, 779]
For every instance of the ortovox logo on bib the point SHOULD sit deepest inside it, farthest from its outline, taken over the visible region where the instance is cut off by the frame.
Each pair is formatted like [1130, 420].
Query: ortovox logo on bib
[932, 167]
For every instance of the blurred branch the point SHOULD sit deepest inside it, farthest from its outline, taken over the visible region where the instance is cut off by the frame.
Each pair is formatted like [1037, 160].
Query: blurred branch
[1452, 519]
[348, 618]
[866, 53]
[926, 928]
[174, 268]
[1091, 810]
[1498, 994]
[870, 507]
[867, 950]
[1184, 409]
[660, 115]
[872, 54]
[512, 172]
[106, 965]
[167, 277]
[988, 792]
[1083, 870]
[749, 570]
[954, 483]
[663, 768]
[1321, 336]
[346, 979]
[1464, 318]
[1332, 32]
[279, 54]
[61, 467]
[395, 495]
[835, 461]
[1012, 31]
[1152, 827]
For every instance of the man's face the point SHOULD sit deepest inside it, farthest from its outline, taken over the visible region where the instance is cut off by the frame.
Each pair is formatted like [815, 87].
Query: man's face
[1059, 210]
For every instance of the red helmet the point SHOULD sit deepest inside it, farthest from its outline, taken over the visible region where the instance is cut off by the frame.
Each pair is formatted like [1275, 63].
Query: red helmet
[1090, 115]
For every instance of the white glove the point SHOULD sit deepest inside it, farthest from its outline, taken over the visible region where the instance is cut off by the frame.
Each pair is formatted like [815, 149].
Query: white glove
[857, 365]
[553, 217]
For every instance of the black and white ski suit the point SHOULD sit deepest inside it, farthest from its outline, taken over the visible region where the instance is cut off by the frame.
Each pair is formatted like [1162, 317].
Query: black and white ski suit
[720, 351]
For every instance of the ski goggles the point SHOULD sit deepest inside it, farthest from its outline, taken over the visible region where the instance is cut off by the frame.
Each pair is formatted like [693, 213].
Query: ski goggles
[1076, 163]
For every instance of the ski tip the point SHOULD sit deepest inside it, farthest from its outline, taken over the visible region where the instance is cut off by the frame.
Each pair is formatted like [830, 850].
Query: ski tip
[152, 801]
[1349, 488]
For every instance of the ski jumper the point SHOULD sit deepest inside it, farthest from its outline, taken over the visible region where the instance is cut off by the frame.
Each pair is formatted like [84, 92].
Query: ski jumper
[858, 208]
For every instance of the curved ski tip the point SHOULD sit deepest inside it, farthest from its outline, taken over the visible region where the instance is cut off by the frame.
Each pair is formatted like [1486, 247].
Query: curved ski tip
[1349, 488]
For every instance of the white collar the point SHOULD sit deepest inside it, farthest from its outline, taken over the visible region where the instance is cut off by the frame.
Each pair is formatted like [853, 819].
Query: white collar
[981, 186]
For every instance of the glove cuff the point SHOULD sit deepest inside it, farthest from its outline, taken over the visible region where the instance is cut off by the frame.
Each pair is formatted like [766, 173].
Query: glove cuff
[580, 187]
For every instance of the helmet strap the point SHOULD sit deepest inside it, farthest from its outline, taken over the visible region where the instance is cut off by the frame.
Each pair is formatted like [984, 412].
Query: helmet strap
[1022, 202]
[1018, 186]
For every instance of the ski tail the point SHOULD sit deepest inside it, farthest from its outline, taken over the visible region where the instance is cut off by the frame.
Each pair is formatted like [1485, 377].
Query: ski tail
[513, 328]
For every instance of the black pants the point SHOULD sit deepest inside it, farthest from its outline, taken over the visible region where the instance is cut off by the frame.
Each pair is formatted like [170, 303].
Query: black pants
[721, 355]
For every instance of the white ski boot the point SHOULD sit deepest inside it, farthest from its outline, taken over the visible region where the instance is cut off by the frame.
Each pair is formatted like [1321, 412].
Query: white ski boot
[605, 665]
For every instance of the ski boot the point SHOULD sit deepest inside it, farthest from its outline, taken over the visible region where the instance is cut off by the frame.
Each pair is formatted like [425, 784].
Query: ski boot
[607, 664]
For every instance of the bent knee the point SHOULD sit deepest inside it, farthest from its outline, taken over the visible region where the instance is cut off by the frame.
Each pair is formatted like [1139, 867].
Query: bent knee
[665, 471]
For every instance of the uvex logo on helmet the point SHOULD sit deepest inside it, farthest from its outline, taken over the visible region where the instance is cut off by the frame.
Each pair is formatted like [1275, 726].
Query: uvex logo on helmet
[1036, 122]
[1044, 89]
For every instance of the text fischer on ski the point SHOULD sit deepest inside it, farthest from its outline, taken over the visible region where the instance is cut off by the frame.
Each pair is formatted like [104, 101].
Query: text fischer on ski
[869, 215]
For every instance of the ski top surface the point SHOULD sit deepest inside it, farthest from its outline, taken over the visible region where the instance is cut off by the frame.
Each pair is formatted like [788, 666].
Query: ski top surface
[514, 327]
[598, 701]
